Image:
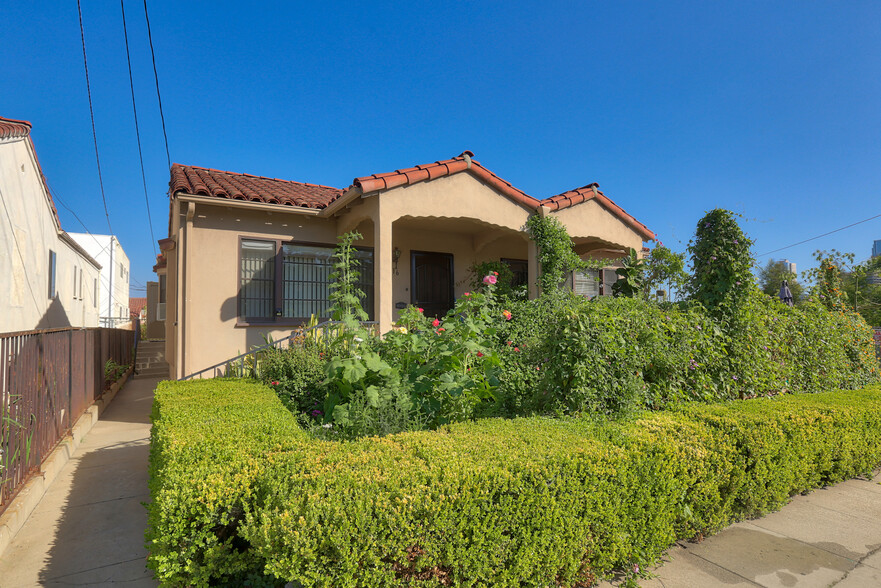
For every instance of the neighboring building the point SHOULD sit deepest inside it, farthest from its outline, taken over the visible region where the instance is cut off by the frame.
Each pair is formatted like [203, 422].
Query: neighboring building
[137, 307]
[876, 248]
[249, 256]
[789, 266]
[49, 281]
[114, 281]
[156, 307]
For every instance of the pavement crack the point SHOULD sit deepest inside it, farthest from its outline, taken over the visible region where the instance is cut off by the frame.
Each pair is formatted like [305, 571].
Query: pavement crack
[116, 563]
[859, 563]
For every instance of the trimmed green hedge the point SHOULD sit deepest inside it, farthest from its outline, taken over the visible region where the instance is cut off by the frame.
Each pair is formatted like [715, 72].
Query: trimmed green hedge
[239, 491]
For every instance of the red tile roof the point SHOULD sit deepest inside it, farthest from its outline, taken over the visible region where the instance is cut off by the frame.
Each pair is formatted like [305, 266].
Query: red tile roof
[135, 305]
[221, 184]
[591, 192]
[446, 167]
[200, 181]
[10, 128]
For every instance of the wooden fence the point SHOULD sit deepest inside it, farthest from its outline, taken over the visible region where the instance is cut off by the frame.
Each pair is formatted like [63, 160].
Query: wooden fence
[47, 381]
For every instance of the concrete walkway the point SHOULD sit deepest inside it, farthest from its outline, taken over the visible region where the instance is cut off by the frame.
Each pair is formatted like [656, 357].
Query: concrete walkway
[88, 530]
[830, 537]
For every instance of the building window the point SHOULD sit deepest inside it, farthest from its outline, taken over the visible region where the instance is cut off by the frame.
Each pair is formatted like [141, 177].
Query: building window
[95, 293]
[81, 283]
[291, 281]
[51, 274]
[520, 269]
[586, 283]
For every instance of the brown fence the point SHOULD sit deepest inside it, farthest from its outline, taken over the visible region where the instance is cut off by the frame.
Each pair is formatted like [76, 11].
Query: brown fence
[47, 381]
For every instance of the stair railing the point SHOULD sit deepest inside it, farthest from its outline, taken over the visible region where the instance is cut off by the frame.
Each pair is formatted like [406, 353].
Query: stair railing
[248, 364]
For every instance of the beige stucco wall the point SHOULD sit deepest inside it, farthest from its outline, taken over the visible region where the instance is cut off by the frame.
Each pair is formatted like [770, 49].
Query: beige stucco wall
[28, 231]
[590, 219]
[446, 215]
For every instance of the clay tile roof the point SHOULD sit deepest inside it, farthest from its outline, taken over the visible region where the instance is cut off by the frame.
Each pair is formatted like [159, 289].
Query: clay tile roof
[200, 181]
[10, 128]
[591, 192]
[135, 305]
[438, 169]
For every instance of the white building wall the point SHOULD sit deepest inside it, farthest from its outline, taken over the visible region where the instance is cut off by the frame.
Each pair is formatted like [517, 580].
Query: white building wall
[114, 281]
[28, 232]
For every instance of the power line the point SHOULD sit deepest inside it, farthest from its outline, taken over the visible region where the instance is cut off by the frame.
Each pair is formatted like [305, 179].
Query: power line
[137, 128]
[823, 235]
[156, 77]
[92, 113]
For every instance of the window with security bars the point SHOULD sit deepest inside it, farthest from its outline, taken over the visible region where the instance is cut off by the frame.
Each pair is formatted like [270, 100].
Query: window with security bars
[586, 283]
[300, 276]
[306, 279]
[257, 286]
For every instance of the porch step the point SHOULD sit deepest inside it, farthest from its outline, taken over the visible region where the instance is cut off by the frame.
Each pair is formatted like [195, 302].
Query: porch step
[150, 361]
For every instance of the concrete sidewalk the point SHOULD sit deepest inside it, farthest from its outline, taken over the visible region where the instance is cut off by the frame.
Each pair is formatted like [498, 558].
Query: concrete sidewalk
[830, 537]
[88, 529]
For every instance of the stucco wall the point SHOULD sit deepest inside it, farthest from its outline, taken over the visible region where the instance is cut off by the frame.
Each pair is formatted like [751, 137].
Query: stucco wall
[115, 272]
[590, 219]
[28, 232]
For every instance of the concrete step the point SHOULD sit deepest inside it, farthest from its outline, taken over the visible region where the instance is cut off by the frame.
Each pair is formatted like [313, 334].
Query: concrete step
[153, 372]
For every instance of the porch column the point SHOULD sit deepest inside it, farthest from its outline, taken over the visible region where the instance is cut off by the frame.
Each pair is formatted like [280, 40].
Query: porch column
[382, 270]
[532, 268]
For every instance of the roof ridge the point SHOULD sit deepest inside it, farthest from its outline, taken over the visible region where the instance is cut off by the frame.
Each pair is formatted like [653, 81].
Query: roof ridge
[222, 171]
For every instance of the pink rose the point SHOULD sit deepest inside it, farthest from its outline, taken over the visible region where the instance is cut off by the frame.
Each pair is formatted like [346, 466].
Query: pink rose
[420, 310]
[490, 279]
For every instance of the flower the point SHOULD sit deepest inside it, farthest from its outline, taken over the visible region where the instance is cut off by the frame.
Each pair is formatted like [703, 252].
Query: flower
[490, 279]
[317, 412]
[495, 273]
[467, 294]
[440, 330]
[517, 349]
[635, 568]
[479, 354]
[274, 382]
[421, 309]
[402, 330]
[733, 377]
[507, 314]
[435, 323]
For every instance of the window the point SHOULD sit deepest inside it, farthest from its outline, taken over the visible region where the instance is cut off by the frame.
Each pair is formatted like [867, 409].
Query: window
[81, 283]
[95, 293]
[51, 274]
[520, 269]
[280, 281]
[586, 283]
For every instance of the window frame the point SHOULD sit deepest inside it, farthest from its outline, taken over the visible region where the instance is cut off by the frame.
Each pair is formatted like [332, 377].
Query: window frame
[53, 267]
[278, 287]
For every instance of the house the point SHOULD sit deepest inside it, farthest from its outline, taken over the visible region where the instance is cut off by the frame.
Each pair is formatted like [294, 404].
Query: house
[249, 257]
[114, 279]
[49, 281]
[137, 306]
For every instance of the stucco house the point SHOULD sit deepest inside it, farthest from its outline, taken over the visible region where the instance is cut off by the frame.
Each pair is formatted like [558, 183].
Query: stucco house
[114, 279]
[248, 256]
[49, 280]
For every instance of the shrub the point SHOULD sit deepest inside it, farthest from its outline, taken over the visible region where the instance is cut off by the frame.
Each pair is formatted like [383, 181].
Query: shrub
[239, 492]
[296, 373]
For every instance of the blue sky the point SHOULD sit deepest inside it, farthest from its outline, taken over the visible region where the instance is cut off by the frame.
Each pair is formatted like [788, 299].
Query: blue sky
[772, 110]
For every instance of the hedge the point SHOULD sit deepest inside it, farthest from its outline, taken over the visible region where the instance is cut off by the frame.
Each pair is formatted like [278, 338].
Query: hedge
[241, 495]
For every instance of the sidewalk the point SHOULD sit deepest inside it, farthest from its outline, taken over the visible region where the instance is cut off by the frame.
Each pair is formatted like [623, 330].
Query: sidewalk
[88, 529]
[830, 537]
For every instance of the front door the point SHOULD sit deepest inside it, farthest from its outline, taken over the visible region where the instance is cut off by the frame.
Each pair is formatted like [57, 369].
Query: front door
[431, 282]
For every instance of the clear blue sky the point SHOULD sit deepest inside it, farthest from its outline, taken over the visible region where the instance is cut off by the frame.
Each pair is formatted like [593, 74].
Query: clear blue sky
[772, 110]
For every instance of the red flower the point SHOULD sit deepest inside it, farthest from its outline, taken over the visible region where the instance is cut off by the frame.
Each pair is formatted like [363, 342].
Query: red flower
[517, 349]
[479, 354]
[435, 323]
[440, 330]
[274, 383]
[420, 310]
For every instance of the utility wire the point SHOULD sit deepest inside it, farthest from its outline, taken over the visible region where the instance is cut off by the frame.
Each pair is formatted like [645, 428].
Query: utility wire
[137, 128]
[823, 235]
[92, 113]
[156, 77]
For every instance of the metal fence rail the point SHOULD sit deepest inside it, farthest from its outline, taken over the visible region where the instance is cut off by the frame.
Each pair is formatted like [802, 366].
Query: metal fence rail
[47, 381]
[248, 364]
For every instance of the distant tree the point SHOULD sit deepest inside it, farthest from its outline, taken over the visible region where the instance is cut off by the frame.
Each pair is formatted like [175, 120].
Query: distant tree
[771, 278]
[664, 269]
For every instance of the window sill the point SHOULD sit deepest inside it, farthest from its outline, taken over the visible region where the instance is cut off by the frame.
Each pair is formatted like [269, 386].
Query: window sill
[282, 324]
